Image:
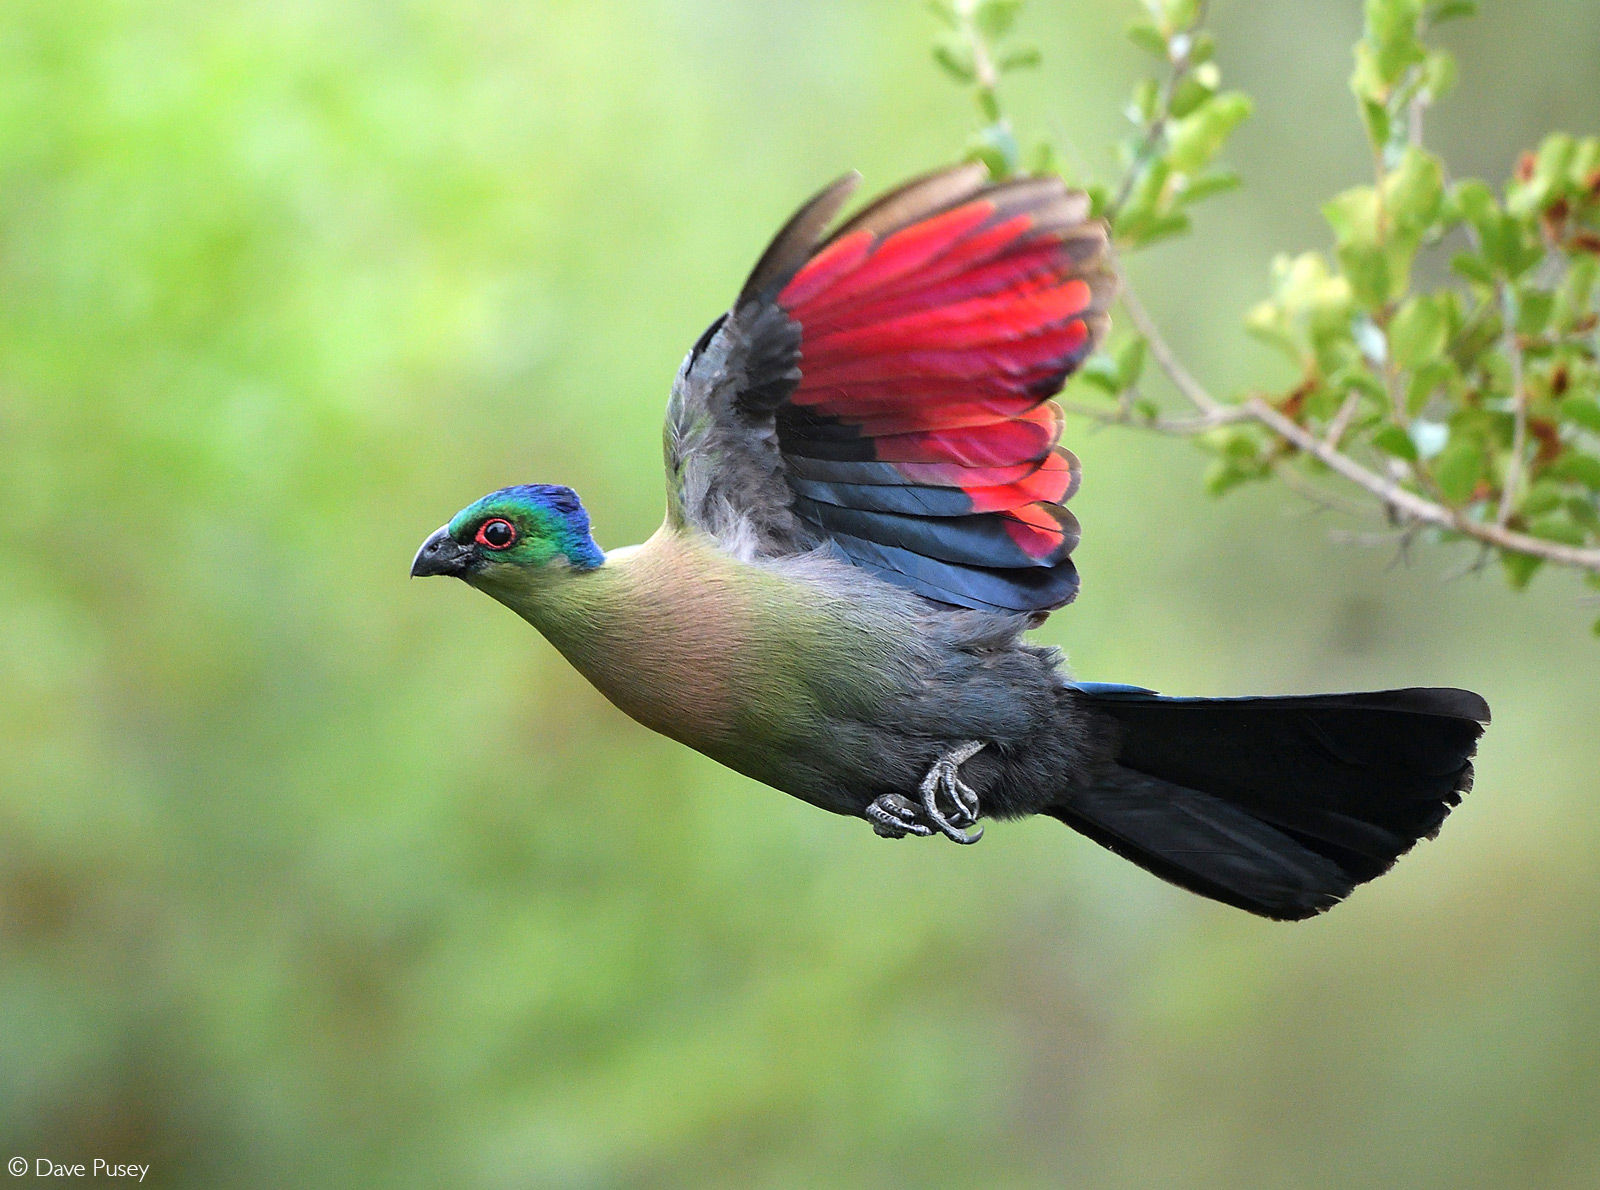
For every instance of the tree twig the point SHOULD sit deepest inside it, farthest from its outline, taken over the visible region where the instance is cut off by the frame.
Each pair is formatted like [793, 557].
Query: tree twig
[1519, 403]
[1327, 501]
[1191, 389]
[1341, 419]
[1404, 503]
[1181, 427]
[1156, 128]
[1409, 504]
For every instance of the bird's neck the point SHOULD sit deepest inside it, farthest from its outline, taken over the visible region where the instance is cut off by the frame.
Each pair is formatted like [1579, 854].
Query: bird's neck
[578, 611]
[653, 628]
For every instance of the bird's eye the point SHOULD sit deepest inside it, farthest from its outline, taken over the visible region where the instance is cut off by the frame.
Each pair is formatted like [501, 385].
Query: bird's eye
[497, 534]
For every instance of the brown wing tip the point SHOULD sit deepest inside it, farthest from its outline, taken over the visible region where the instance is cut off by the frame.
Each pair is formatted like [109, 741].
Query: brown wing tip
[798, 238]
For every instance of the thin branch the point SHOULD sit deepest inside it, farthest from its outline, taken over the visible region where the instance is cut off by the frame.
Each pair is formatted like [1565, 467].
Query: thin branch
[1180, 427]
[982, 63]
[1193, 391]
[1341, 419]
[1402, 502]
[1519, 402]
[1413, 506]
[1414, 112]
[1156, 128]
[1474, 565]
[1324, 500]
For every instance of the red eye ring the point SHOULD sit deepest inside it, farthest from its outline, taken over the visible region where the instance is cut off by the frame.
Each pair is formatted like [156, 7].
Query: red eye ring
[496, 533]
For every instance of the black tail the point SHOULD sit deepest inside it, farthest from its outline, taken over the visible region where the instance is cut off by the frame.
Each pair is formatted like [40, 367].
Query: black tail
[1279, 806]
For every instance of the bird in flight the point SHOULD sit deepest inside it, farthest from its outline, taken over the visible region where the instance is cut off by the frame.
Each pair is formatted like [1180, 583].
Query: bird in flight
[866, 509]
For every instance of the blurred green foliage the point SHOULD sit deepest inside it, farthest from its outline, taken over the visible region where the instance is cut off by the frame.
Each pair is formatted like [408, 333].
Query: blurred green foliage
[311, 876]
[1473, 398]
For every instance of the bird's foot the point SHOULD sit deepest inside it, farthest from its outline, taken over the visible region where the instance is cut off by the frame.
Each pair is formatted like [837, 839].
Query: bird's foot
[895, 817]
[945, 778]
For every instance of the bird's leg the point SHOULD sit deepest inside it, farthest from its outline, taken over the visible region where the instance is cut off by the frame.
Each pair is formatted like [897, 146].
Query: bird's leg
[895, 817]
[945, 777]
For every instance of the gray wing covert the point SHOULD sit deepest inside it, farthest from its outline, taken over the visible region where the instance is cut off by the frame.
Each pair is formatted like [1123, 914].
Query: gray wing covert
[887, 389]
[725, 473]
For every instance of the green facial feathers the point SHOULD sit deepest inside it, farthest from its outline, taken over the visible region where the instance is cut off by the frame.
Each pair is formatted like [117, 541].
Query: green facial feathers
[546, 522]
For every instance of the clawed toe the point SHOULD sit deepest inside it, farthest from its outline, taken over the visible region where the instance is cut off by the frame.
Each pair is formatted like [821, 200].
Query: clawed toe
[944, 777]
[963, 798]
[895, 817]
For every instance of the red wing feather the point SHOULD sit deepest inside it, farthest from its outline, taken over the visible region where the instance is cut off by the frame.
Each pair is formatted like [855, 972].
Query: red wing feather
[933, 329]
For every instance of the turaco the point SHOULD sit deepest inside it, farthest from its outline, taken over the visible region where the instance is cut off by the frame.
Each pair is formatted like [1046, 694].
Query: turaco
[866, 508]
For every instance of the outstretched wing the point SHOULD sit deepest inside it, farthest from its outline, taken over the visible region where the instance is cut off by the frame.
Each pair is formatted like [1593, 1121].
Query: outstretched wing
[888, 390]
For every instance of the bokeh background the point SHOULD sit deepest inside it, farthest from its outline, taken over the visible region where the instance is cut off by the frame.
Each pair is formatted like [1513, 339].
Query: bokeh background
[311, 875]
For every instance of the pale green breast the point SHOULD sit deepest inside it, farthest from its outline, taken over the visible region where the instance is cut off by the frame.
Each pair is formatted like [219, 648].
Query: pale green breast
[738, 661]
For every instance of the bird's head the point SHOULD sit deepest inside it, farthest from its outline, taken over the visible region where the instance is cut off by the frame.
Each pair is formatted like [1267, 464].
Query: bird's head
[510, 535]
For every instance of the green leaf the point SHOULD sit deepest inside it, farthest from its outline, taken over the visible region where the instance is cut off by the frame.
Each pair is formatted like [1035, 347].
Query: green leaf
[1425, 381]
[1367, 267]
[994, 159]
[1556, 527]
[1208, 185]
[1146, 99]
[1159, 227]
[1519, 568]
[1362, 380]
[1582, 411]
[1367, 83]
[1578, 467]
[1222, 475]
[1130, 362]
[1353, 215]
[1375, 119]
[1180, 14]
[1101, 371]
[1417, 333]
[1022, 57]
[1392, 34]
[946, 12]
[1458, 468]
[1414, 190]
[1542, 497]
[1584, 162]
[1504, 242]
[1549, 182]
[1583, 512]
[1473, 268]
[1476, 200]
[956, 59]
[1392, 440]
[1533, 311]
[1266, 324]
[1148, 38]
[1575, 297]
[1197, 138]
[994, 18]
[1451, 10]
[1189, 94]
[1439, 74]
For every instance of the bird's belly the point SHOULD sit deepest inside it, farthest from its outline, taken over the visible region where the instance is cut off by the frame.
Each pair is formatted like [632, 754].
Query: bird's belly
[680, 686]
[747, 699]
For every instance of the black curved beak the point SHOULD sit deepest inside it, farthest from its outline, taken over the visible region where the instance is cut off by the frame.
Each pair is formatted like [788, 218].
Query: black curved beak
[440, 554]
